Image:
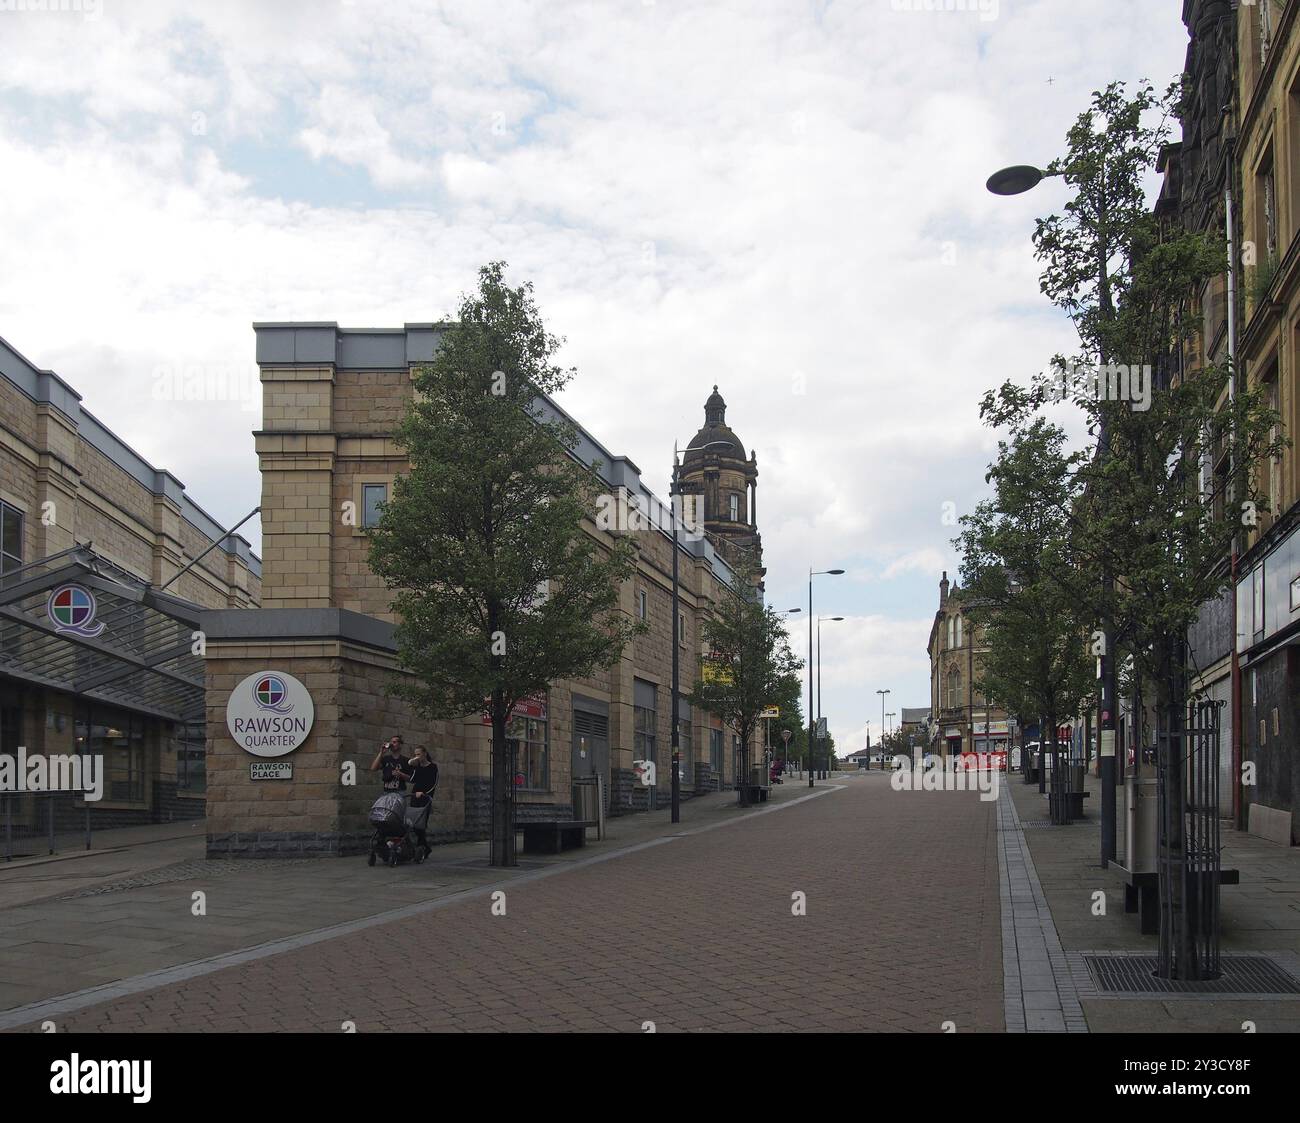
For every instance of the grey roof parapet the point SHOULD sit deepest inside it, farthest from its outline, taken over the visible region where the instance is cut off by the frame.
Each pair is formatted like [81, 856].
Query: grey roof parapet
[289, 343]
[44, 386]
[285, 624]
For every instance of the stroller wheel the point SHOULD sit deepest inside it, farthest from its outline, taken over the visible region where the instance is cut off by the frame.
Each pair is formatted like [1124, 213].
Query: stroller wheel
[371, 860]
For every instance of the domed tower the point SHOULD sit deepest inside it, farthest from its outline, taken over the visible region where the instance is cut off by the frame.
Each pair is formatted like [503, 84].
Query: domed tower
[714, 467]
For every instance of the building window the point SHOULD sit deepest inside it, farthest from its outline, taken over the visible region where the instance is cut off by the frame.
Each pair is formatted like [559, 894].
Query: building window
[959, 631]
[642, 608]
[191, 758]
[681, 629]
[734, 500]
[715, 750]
[373, 497]
[532, 760]
[684, 747]
[117, 738]
[643, 733]
[954, 689]
[643, 720]
[11, 538]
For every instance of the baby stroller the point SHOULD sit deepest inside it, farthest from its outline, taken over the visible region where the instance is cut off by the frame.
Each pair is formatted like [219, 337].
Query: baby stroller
[395, 823]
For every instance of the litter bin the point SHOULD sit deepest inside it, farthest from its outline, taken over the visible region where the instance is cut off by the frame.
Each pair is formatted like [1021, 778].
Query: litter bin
[586, 800]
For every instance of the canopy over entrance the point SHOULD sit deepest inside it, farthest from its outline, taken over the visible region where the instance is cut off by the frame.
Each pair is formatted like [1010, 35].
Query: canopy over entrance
[76, 622]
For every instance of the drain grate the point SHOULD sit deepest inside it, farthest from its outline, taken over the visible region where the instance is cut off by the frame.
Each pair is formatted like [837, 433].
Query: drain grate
[1242, 974]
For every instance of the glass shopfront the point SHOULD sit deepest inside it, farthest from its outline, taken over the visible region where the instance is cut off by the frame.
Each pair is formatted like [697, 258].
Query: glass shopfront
[119, 738]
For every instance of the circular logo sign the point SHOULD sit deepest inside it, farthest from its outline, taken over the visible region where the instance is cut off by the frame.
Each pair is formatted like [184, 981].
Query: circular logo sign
[269, 714]
[71, 609]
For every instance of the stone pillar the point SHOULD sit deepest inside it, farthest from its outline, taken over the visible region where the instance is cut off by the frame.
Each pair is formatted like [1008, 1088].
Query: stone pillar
[52, 523]
[296, 452]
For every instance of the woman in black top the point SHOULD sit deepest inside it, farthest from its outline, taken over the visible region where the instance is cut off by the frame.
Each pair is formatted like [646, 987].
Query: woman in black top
[424, 780]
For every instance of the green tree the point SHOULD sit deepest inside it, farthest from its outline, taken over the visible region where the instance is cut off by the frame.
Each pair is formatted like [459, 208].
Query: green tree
[498, 587]
[1022, 583]
[748, 668]
[1154, 524]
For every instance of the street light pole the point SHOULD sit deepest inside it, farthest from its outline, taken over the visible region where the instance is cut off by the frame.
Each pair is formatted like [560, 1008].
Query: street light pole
[812, 724]
[882, 694]
[1014, 181]
[819, 677]
[674, 490]
[676, 762]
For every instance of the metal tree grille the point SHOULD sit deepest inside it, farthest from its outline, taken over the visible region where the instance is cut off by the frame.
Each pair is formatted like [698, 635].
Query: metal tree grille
[1240, 974]
[1188, 853]
[1059, 802]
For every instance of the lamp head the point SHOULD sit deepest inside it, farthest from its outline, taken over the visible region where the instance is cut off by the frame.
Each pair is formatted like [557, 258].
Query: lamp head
[1015, 180]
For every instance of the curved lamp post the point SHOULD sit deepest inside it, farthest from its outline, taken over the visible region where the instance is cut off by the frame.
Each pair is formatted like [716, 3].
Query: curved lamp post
[1015, 180]
[812, 725]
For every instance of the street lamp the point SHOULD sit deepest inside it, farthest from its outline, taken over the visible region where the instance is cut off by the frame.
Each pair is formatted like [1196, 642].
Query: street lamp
[882, 694]
[673, 491]
[1013, 181]
[819, 674]
[812, 725]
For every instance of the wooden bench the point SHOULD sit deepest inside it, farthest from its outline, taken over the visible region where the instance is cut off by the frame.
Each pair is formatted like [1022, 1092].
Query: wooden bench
[550, 836]
[1141, 895]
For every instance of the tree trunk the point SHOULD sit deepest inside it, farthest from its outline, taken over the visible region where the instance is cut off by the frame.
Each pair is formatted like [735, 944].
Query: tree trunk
[503, 803]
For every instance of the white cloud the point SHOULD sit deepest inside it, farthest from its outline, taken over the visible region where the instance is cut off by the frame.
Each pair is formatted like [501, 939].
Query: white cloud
[726, 193]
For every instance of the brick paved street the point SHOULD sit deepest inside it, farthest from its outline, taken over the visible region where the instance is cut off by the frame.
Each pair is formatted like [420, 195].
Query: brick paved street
[692, 931]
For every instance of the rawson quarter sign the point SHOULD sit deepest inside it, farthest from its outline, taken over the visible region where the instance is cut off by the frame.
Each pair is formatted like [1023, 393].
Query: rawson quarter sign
[269, 714]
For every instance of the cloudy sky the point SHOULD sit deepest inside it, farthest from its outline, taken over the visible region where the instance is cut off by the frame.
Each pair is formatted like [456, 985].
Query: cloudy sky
[783, 198]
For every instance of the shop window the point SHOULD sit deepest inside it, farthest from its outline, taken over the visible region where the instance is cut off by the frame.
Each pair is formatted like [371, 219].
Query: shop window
[685, 756]
[532, 759]
[11, 537]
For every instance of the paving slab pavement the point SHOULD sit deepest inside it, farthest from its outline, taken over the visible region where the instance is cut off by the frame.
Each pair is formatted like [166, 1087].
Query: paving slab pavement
[687, 928]
[1259, 916]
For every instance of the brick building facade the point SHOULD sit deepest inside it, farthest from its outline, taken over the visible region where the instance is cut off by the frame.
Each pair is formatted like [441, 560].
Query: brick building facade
[82, 511]
[332, 402]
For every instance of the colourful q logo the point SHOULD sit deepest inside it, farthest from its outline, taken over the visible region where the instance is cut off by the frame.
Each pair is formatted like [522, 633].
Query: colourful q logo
[270, 694]
[71, 610]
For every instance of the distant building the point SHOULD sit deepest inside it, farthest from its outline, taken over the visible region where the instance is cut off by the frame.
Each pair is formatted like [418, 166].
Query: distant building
[963, 720]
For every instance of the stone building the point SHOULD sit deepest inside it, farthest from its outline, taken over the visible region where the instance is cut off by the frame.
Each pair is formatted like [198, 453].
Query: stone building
[714, 468]
[962, 720]
[332, 401]
[106, 564]
[1264, 56]
[1198, 181]
[1236, 174]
